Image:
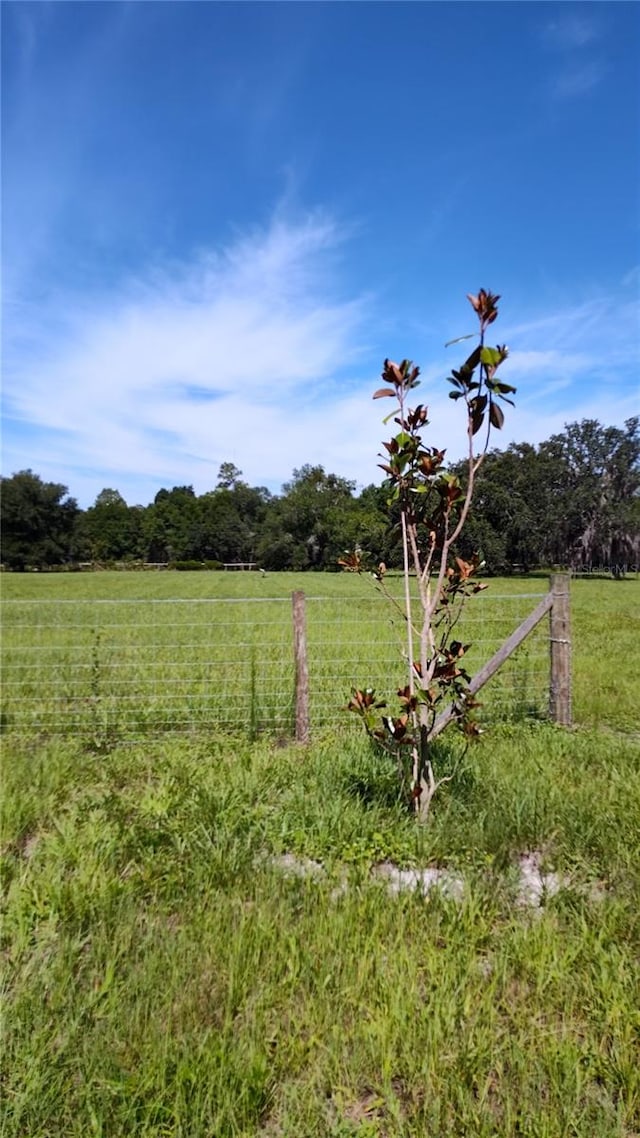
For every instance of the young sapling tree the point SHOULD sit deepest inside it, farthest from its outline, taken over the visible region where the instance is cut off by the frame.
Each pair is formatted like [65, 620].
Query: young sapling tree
[433, 505]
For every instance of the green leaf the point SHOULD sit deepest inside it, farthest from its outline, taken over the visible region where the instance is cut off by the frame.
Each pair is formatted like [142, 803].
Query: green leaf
[459, 339]
[491, 357]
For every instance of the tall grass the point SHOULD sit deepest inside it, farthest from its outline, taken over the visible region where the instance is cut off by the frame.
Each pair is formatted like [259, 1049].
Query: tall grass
[162, 977]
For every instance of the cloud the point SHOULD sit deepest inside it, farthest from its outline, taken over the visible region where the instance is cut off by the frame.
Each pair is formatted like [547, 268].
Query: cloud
[256, 330]
[632, 278]
[252, 353]
[577, 80]
[597, 339]
[577, 74]
[570, 32]
[571, 363]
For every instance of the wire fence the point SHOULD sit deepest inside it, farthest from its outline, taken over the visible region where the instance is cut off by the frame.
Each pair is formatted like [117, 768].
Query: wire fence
[132, 667]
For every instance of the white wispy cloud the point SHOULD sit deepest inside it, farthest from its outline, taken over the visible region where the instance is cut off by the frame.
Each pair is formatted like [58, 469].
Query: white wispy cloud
[253, 354]
[574, 362]
[575, 39]
[570, 31]
[577, 79]
[214, 360]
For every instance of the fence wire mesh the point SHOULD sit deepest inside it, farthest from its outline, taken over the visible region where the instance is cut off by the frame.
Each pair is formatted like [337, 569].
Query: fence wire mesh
[133, 667]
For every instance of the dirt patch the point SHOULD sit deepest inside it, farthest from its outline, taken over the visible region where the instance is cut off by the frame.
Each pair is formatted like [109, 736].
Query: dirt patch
[534, 883]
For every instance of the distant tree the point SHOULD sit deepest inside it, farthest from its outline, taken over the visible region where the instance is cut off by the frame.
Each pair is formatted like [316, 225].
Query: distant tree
[37, 521]
[175, 494]
[170, 529]
[573, 500]
[108, 497]
[311, 521]
[109, 530]
[229, 476]
[508, 518]
[377, 526]
[590, 517]
[231, 520]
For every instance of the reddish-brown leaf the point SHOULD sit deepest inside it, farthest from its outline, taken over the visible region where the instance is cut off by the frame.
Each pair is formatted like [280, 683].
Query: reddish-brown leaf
[496, 415]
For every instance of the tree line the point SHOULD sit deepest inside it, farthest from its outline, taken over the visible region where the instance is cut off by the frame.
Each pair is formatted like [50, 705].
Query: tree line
[573, 500]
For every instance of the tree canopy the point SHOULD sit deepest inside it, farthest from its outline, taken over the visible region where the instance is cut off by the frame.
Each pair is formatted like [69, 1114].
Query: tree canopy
[573, 500]
[38, 520]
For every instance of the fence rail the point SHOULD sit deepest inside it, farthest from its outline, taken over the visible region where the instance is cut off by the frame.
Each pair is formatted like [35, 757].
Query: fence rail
[138, 666]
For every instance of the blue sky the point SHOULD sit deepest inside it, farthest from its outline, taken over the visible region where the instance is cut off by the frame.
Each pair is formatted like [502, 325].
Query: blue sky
[219, 218]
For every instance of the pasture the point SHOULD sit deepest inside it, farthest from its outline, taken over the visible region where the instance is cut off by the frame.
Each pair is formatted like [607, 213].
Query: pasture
[113, 654]
[163, 977]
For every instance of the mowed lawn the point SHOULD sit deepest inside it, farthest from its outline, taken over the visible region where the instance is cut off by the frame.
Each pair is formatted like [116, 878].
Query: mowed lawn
[163, 976]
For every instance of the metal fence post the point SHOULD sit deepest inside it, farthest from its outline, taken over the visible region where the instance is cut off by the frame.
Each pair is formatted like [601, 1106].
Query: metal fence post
[560, 644]
[302, 668]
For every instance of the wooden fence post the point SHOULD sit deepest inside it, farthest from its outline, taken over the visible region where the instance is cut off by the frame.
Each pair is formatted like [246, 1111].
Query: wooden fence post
[560, 638]
[302, 669]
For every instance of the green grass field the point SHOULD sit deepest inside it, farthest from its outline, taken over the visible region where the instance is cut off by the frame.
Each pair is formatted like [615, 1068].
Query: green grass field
[114, 654]
[163, 978]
